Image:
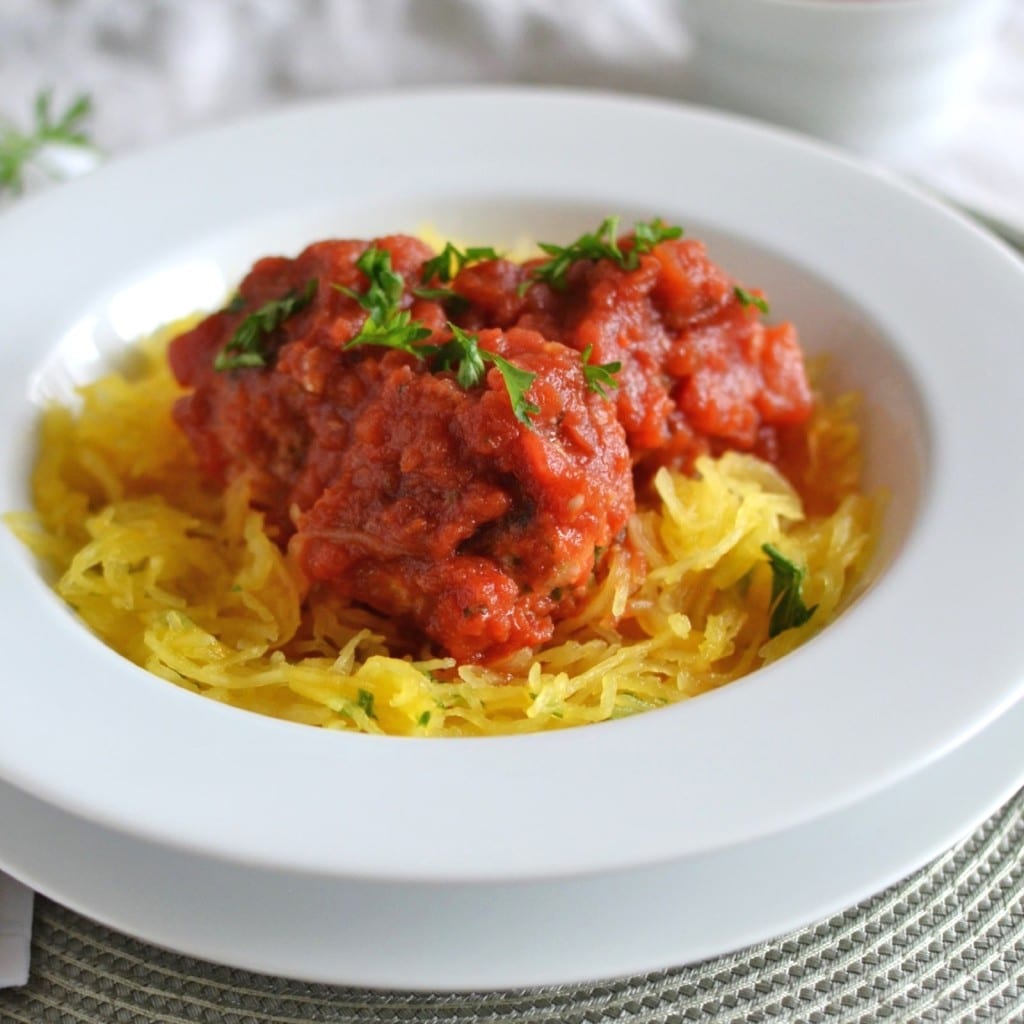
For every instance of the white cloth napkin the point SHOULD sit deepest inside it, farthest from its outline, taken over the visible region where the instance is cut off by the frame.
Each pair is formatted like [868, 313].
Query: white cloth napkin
[981, 164]
[15, 931]
[160, 68]
[166, 66]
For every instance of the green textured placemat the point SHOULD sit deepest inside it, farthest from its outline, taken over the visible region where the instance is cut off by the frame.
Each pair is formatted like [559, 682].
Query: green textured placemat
[945, 945]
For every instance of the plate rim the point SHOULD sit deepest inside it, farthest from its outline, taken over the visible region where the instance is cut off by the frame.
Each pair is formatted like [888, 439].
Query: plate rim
[197, 829]
[537, 962]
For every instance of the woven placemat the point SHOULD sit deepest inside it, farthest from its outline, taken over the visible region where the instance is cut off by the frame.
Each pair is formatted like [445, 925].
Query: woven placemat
[945, 945]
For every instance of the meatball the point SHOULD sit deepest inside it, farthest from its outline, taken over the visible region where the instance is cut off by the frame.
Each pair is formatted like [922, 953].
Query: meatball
[266, 423]
[448, 511]
[700, 371]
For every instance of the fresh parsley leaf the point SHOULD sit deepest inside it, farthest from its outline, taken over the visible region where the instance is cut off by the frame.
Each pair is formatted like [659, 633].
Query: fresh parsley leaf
[599, 376]
[451, 260]
[788, 608]
[398, 330]
[249, 345]
[517, 383]
[464, 355]
[648, 234]
[748, 299]
[594, 245]
[235, 304]
[477, 254]
[455, 302]
[19, 150]
[365, 701]
[424, 720]
[440, 266]
[386, 325]
[601, 244]
[385, 288]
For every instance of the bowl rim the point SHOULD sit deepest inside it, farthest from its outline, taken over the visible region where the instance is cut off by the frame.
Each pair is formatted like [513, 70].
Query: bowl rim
[773, 750]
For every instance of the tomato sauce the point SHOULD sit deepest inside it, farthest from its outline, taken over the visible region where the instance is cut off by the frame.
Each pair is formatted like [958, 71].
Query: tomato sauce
[700, 371]
[476, 515]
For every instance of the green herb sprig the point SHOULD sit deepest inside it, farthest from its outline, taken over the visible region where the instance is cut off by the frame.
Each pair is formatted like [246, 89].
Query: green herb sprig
[448, 297]
[464, 355]
[386, 325]
[788, 608]
[19, 150]
[517, 383]
[249, 345]
[451, 260]
[236, 304]
[648, 234]
[599, 376]
[398, 330]
[365, 702]
[601, 244]
[748, 299]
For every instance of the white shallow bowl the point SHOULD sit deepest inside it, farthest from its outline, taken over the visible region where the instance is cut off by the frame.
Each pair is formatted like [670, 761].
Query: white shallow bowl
[885, 77]
[920, 310]
[472, 937]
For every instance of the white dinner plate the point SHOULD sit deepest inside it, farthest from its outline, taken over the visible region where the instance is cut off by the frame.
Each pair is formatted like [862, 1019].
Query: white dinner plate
[475, 937]
[920, 310]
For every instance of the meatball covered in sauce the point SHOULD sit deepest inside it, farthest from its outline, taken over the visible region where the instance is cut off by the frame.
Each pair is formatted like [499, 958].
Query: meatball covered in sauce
[700, 371]
[447, 510]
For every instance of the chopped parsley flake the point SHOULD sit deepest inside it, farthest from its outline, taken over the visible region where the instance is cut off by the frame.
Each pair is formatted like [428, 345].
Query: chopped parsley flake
[599, 376]
[386, 325]
[648, 234]
[451, 260]
[464, 355]
[455, 302]
[748, 299]
[250, 344]
[399, 331]
[788, 608]
[601, 244]
[517, 382]
[365, 701]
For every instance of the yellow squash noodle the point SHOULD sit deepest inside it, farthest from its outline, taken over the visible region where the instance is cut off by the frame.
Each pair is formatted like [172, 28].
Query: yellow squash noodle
[183, 580]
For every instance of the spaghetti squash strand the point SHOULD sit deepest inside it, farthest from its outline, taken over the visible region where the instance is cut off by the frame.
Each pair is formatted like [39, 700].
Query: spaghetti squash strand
[187, 583]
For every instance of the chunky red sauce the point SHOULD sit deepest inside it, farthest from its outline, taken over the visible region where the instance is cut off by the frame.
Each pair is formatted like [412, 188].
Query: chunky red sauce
[434, 502]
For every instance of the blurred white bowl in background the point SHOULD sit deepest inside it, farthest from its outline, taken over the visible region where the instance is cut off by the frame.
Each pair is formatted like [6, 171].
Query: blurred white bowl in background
[881, 76]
